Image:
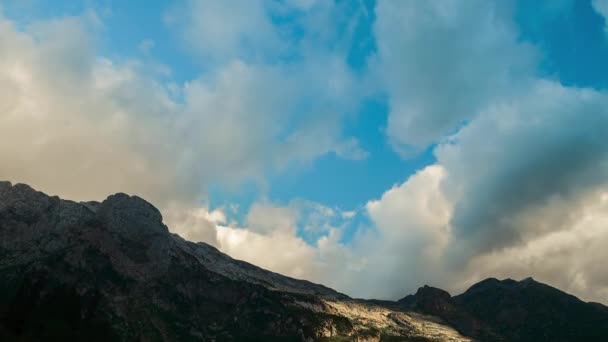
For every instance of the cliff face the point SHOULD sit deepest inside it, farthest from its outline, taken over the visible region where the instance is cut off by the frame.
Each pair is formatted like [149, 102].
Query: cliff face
[113, 271]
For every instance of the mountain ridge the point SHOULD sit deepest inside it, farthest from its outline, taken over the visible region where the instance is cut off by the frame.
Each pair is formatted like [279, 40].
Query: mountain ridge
[112, 270]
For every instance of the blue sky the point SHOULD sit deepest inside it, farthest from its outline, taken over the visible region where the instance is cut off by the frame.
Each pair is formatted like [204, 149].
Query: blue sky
[337, 141]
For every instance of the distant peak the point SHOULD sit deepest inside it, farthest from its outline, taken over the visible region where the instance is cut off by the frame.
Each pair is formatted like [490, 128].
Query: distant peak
[17, 188]
[429, 291]
[135, 203]
[528, 280]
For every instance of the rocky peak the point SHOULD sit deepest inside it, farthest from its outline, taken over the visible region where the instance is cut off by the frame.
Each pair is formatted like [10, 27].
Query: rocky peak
[22, 203]
[131, 216]
[437, 302]
[430, 300]
[433, 293]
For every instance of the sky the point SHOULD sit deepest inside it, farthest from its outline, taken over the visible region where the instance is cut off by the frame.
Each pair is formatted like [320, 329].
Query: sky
[372, 146]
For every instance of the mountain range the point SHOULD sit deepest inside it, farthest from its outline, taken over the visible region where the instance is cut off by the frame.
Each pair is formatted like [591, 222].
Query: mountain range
[112, 271]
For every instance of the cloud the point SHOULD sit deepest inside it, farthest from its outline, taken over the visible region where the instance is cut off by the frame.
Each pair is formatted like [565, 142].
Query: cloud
[519, 156]
[444, 61]
[71, 116]
[194, 223]
[267, 219]
[411, 230]
[269, 240]
[65, 120]
[81, 125]
[566, 257]
[220, 30]
[601, 8]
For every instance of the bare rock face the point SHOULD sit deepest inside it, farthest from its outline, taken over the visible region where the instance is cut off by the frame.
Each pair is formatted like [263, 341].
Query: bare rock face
[112, 271]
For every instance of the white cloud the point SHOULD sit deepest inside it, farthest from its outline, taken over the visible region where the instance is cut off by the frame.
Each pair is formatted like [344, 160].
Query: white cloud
[194, 223]
[265, 219]
[67, 121]
[411, 223]
[279, 251]
[442, 61]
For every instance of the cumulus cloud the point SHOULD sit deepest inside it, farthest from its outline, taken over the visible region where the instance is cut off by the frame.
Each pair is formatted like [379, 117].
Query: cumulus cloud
[442, 61]
[411, 230]
[521, 155]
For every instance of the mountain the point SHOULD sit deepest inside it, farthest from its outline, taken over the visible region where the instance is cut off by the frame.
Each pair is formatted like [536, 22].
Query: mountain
[509, 310]
[528, 310]
[112, 271]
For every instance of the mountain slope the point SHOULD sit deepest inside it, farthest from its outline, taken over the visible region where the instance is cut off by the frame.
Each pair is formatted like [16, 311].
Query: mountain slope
[112, 271]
